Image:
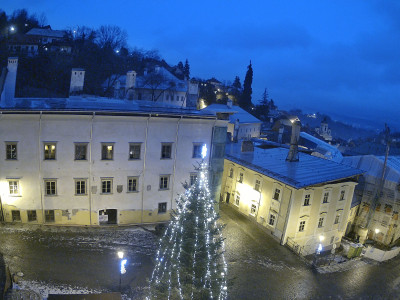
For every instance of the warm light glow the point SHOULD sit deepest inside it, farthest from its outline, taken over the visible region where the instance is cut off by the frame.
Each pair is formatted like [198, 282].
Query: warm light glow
[377, 230]
[109, 148]
[120, 254]
[321, 238]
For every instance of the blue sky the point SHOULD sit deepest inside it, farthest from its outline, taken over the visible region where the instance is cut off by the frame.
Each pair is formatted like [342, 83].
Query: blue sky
[339, 57]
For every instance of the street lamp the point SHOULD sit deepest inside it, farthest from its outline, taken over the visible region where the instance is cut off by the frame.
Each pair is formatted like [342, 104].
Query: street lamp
[122, 267]
[376, 232]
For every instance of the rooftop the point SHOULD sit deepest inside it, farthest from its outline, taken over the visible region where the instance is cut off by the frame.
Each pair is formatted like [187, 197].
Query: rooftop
[47, 32]
[308, 171]
[236, 113]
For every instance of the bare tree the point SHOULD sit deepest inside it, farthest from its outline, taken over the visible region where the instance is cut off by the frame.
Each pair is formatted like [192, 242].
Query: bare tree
[158, 83]
[108, 36]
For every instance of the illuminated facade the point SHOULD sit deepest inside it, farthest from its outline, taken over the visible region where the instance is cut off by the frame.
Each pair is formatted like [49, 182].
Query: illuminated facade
[302, 203]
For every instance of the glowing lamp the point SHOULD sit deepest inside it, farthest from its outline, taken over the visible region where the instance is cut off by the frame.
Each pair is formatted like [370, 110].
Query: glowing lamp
[120, 254]
[204, 151]
[123, 263]
[376, 230]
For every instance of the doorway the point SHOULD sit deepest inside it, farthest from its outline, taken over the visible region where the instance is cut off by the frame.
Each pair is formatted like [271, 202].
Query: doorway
[107, 216]
[227, 197]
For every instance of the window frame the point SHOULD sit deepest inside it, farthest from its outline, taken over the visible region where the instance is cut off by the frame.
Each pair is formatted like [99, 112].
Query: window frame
[77, 180]
[47, 213]
[337, 219]
[28, 215]
[197, 149]
[49, 181]
[237, 199]
[302, 226]
[133, 178]
[16, 192]
[193, 177]
[48, 155]
[273, 218]
[231, 172]
[253, 209]
[103, 180]
[342, 195]
[164, 153]
[14, 214]
[279, 194]
[75, 153]
[321, 222]
[163, 206]
[328, 194]
[12, 152]
[161, 184]
[131, 153]
[104, 154]
[307, 200]
[241, 176]
[257, 185]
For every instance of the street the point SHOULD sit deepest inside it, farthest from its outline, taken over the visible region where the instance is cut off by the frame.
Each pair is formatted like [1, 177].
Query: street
[71, 259]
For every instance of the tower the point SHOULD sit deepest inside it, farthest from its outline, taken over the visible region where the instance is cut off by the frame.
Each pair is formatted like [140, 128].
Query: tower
[8, 94]
[130, 84]
[77, 81]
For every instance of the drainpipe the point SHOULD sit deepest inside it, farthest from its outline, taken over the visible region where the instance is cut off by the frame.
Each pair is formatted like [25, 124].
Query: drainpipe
[174, 168]
[90, 169]
[144, 165]
[283, 238]
[1, 204]
[40, 166]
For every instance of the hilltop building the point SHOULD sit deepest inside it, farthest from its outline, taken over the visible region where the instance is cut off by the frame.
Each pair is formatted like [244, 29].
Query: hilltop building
[324, 131]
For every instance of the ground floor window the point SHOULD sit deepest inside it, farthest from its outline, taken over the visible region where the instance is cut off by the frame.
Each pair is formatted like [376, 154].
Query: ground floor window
[237, 200]
[49, 216]
[272, 219]
[253, 209]
[162, 207]
[16, 215]
[302, 225]
[31, 215]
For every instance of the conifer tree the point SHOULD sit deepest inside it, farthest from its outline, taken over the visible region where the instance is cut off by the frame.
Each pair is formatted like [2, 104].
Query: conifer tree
[245, 100]
[186, 70]
[190, 261]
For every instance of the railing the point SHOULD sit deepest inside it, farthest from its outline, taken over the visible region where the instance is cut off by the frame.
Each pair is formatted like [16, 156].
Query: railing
[296, 248]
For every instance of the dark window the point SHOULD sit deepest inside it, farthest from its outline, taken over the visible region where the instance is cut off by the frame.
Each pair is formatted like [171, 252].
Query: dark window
[162, 207]
[197, 148]
[272, 220]
[106, 186]
[326, 197]
[302, 225]
[132, 184]
[31, 215]
[80, 187]
[11, 151]
[321, 222]
[276, 194]
[231, 172]
[166, 150]
[80, 151]
[257, 186]
[49, 216]
[240, 177]
[51, 187]
[307, 200]
[49, 151]
[134, 151]
[164, 182]
[253, 209]
[107, 151]
[193, 178]
[16, 215]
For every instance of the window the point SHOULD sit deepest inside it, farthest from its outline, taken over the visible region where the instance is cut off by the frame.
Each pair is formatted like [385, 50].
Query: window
[326, 197]
[14, 187]
[197, 148]
[50, 187]
[337, 218]
[133, 184]
[80, 186]
[272, 219]
[321, 222]
[342, 195]
[31, 215]
[240, 177]
[193, 178]
[276, 194]
[49, 151]
[257, 185]
[164, 182]
[166, 150]
[106, 185]
[231, 172]
[107, 151]
[162, 207]
[134, 151]
[80, 151]
[237, 200]
[11, 151]
[302, 225]
[49, 216]
[16, 215]
[307, 200]
[253, 209]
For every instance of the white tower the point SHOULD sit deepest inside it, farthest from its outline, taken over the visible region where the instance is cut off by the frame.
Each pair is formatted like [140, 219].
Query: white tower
[130, 84]
[8, 94]
[77, 80]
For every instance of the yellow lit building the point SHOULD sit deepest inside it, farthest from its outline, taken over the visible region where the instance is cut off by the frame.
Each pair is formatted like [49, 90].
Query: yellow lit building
[302, 203]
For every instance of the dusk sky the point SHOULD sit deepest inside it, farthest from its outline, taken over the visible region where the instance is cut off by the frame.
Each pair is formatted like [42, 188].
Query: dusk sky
[336, 57]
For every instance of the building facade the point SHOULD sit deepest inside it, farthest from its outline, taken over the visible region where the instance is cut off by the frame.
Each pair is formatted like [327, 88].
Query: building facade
[302, 203]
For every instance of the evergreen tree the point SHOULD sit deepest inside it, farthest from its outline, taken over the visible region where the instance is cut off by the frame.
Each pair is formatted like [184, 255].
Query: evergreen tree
[180, 66]
[245, 100]
[190, 262]
[236, 90]
[186, 70]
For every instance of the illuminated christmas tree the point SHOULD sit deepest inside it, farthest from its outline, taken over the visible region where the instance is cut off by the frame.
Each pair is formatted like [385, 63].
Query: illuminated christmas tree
[190, 260]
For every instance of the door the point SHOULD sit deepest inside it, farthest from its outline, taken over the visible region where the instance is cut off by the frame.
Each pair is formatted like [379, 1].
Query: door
[227, 197]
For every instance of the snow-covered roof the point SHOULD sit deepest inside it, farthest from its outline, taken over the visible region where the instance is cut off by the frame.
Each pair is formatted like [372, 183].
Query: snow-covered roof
[373, 165]
[47, 32]
[236, 113]
[329, 151]
[100, 105]
[308, 171]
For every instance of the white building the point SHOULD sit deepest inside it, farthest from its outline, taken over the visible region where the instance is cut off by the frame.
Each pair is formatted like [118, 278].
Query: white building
[91, 161]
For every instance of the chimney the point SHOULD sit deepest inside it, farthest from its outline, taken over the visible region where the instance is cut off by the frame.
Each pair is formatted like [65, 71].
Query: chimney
[130, 84]
[247, 146]
[229, 103]
[77, 81]
[8, 93]
[293, 154]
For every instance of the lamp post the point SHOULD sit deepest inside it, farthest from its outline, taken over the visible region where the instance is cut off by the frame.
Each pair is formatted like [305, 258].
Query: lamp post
[122, 267]
[376, 232]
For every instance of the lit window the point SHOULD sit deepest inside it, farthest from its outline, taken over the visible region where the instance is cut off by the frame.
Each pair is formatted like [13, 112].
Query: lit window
[107, 151]
[237, 200]
[257, 185]
[166, 150]
[162, 207]
[321, 222]
[302, 225]
[193, 178]
[49, 216]
[197, 148]
[14, 187]
[326, 197]
[31, 215]
[80, 151]
[106, 185]
[276, 194]
[50, 151]
[50, 187]
[132, 184]
[231, 172]
[11, 151]
[80, 186]
[164, 182]
[134, 151]
[16, 215]
[240, 177]
[272, 219]
[253, 209]
[342, 195]
[307, 200]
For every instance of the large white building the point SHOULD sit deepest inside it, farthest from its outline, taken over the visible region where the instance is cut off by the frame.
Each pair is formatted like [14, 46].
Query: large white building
[91, 161]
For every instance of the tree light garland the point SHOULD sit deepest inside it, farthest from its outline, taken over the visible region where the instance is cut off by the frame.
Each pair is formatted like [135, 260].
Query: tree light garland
[190, 262]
